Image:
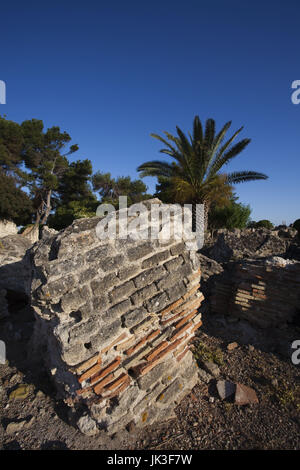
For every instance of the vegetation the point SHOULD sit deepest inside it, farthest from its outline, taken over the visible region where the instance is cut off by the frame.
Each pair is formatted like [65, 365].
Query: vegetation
[111, 188]
[195, 176]
[233, 215]
[264, 224]
[38, 183]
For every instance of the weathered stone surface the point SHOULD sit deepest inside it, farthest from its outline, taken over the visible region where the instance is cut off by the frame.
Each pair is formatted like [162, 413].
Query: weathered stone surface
[212, 368]
[99, 306]
[225, 389]
[134, 317]
[245, 395]
[87, 426]
[14, 427]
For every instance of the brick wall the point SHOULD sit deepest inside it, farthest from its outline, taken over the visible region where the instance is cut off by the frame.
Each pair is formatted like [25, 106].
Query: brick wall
[117, 318]
[264, 292]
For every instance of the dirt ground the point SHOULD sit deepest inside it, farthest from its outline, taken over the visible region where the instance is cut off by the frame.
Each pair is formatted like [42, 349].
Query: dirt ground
[262, 361]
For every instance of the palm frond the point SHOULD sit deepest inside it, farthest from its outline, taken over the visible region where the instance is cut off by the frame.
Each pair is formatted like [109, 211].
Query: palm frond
[209, 132]
[243, 176]
[157, 168]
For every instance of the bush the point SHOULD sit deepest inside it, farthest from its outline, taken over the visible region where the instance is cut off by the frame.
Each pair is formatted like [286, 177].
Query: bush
[66, 214]
[264, 224]
[235, 215]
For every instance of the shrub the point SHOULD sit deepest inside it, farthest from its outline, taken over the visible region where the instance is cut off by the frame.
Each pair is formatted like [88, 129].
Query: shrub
[264, 224]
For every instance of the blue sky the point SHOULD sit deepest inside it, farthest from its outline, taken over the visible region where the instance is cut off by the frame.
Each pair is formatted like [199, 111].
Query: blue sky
[110, 73]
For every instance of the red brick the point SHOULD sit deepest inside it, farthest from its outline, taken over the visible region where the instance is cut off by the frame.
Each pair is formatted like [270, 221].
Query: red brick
[118, 391]
[116, 383]
[116, 341]
[196, 326]
[177, 333]
[191, 292]
[101, 385]
[185, 319]
[181, 356]
[112, 366]
[156, 351]
[88, 364]
[144, 340]
[171, 307]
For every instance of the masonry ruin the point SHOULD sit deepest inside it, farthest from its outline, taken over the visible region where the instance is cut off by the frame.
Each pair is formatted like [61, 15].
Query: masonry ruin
[115, 319]
[265, 292]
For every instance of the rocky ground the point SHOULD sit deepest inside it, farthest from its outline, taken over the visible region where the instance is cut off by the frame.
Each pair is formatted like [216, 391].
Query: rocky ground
[32, 418]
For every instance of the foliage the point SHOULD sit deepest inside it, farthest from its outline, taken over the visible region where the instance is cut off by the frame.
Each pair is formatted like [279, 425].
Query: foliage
[204, 353]
[111, 188]
[234, 215]
[15, 204]
[264, 224]
[67, 213]
[42, 154]
[194, 175]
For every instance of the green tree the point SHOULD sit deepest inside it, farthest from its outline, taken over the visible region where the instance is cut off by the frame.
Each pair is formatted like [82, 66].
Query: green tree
[264, 224]
[74, 196]
[195, 176]
[110, 188]
[43, 156]
[234, 215]
[15, 204]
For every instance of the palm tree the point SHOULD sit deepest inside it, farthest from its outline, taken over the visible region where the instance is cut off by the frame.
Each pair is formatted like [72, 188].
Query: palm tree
[195, 176]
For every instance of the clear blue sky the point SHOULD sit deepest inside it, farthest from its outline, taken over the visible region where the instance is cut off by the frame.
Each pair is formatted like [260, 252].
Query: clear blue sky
[110, 73]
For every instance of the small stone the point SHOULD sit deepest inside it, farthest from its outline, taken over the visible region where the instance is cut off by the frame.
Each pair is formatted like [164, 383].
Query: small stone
[245, 395]
[20, 393]
[225, 389]
[15, 378]
[87, 426]
[251, 348]
[14, 427]
[232, 346]
[40, 394]
[211, 399]
[204, 376]
[212, 368]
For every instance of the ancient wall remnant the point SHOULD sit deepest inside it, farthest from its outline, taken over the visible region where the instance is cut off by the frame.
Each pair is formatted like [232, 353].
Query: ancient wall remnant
[231, 245]
[116, 318]
[264, 292]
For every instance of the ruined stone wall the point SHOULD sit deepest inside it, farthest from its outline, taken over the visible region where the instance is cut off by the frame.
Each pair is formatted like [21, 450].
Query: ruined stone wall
[231, 245]
[264, 292]
[116, 318]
